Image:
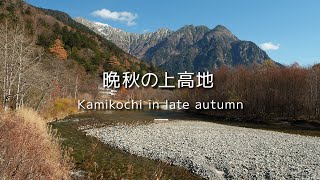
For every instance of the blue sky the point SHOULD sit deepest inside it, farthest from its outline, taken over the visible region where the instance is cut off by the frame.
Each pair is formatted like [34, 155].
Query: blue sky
[290, 29]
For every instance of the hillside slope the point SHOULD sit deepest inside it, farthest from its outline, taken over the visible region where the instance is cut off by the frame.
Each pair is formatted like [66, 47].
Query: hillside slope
[61, 58]
[82, 44]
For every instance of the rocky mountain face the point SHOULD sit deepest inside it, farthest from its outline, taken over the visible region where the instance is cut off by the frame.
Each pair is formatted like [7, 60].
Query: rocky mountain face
[133, 43]
[190, 48]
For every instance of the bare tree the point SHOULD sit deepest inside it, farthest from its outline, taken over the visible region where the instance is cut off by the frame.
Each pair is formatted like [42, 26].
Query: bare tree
[19, 58]
[76, 87]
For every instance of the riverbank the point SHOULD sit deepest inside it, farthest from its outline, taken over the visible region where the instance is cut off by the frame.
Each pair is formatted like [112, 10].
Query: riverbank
[96, 160]
[287, 125]
[216, 151]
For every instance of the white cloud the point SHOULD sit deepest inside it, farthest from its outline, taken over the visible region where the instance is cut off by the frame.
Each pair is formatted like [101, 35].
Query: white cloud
[269, 46]
[124, 16]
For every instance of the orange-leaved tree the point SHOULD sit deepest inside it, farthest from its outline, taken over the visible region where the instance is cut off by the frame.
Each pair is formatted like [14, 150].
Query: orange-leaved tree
[58, 49]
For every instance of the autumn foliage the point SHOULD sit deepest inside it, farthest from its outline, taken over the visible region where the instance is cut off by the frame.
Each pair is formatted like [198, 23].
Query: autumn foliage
[267, 91]
[58, 49]
[60, 108]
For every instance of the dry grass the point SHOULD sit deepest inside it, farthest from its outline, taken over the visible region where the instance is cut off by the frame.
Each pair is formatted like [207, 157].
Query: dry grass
[59, 109]
[29, 149]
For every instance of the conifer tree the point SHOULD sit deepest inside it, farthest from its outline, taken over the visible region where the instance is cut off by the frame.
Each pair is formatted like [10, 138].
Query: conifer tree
[58, 49]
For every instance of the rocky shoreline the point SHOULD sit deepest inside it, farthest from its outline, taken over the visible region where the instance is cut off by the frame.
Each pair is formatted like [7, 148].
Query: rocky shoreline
[216, 151]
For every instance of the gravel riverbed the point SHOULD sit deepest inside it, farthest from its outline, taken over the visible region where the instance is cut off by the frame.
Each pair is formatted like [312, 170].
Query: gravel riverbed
[216, 151]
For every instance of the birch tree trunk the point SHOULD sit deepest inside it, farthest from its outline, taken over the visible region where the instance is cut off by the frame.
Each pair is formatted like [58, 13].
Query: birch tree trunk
[76, 87]
[18, 59]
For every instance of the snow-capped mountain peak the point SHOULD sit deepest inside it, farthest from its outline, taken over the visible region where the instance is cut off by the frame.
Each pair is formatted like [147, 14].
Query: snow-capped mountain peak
[101, 24]
[132, 43]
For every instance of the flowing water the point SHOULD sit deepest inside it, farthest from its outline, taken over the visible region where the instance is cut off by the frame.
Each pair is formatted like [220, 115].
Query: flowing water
[149, 116]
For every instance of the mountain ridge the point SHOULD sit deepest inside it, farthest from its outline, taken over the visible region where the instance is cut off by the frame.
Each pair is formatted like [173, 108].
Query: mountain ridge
[132, 43]
[190, 48]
